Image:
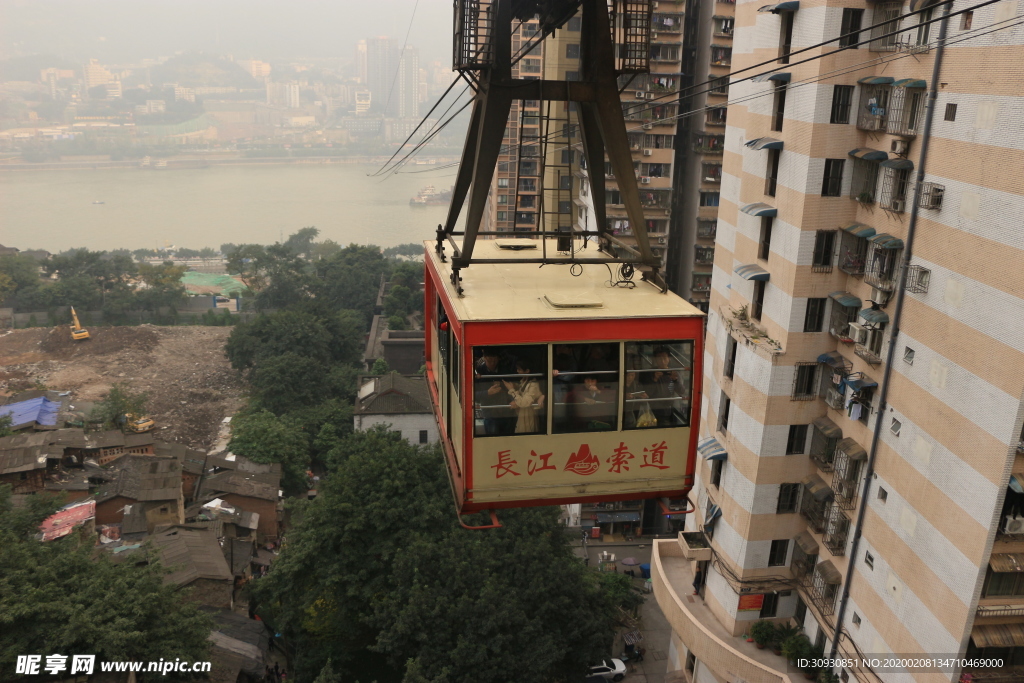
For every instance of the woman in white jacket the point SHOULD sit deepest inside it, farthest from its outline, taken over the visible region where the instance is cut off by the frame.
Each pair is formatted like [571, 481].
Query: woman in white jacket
[525, 396]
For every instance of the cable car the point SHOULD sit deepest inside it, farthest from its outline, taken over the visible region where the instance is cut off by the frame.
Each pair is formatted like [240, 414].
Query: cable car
[552, 389]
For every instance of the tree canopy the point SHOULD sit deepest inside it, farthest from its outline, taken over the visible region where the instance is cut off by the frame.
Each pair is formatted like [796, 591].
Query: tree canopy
[378, 566]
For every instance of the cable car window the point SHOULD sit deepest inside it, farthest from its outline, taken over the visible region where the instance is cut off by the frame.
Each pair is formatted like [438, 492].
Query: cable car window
[510, 390]
[586, 388]
[658, 384]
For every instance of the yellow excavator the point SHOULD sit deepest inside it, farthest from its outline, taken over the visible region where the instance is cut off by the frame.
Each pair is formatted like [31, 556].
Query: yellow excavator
[139, 424]
[78, 333]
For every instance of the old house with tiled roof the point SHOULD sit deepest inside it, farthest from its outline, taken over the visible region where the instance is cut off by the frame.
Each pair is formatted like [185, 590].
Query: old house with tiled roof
[152, 483]
[401, 401]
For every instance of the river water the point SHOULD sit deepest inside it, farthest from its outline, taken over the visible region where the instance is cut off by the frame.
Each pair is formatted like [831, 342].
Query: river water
[198, 208]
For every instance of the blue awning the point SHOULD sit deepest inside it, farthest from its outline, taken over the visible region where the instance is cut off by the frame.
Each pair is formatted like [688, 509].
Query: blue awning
[752, 271]
[884, 240]
[845, 299]
[899, 164]
[764, 143]
[714, 513]
[1015, 483]
[711, 449]
[868, 154]
[759, 209]
[859, 230]
[876, 80]
[875, 315]
[778, 76]
[862, 383]
[791, 6]
[834, 359]
[910, 83]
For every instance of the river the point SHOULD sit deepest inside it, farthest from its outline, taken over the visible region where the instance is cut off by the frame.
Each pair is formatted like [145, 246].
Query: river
[196, 208]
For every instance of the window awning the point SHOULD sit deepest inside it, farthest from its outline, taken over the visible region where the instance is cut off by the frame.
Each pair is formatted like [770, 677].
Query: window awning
[827, 571]
[845, 299]
[868, 154]
[791, 6]
[1017, 483]
[752, 271]
[759, 209]
[806, 543]
[833, 358]
[827, 427]
[876, 80]
[1007, 562]
[711, 449]
[862, 383]
[910, 83]
[607, 517]
[875, 315]
[853, 450]
[859, 230]
[764, 143]
[714, 513]
[817, 487]
[884, 240]
[899, 164]
[998, 635]
[778, 76]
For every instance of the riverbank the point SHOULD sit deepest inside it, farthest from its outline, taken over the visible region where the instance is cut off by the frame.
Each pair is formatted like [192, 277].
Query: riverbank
[204, 162]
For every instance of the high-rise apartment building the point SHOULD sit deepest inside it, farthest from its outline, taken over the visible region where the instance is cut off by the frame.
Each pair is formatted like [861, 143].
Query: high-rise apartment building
[360, 61]
[96, 74]
[380, 70]
[406, 95]
[862, 463]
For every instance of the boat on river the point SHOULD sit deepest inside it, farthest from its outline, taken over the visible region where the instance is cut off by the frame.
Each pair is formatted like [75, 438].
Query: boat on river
[431, 196]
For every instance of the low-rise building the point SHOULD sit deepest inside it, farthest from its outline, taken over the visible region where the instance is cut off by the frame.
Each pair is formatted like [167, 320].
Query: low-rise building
[196, 562]
[145, 485]
[248, 491]
[401, 401]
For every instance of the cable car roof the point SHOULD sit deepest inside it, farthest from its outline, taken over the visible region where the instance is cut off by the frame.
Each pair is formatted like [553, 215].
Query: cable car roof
[524, 291]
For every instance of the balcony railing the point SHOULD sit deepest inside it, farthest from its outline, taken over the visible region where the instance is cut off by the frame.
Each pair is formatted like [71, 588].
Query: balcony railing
[1001, 610]
[707, 231]
[837, 529]
[867, 354]
[814, 512]
[851, 262]
[871, 122]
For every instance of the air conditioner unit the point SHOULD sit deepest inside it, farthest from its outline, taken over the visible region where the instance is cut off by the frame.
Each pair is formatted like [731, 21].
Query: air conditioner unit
[900, 146]
[650, 96]
[648, 152]
[654, 36]
[640, 94]
[645, 180]
[661, 240]
[896, 205]
[879, 296]
[1014, 524]
[858, 333]
[648, 126]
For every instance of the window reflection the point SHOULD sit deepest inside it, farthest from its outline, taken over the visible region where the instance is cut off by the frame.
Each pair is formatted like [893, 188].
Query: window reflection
[510, 390]
[586, 381]
[658, 384]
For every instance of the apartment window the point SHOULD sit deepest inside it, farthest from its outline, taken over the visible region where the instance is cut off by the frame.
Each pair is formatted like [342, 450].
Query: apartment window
[895, 427]
[865, 180]
[849, 29]
[801, 612]
[731, 346]
[712, 173]
[842, 101]
[716, 116]
[950, 111]
[502, 182]
[887, 20]
[786, 37]
[797, 441]
[530, 66]
[769, 606]
[814, 317]
[832, 181]
[716, 472]
[721, 55]
[765, 244]
[757, 305]
[528, 201]
[924, 29]
[723, 414]
[894, 189]
[778, 552]
[789, 496]
[527, 185]
[709, 198]
[999, 584]
[824, 245]
[572, 51]
[423, 436]
[565, 182]
[564, 206]
[574, 24]
[883, 495]
[779, 107]
[719, 85]
[503, 215]
[869, 559]
[528, 168]
[502, 199]
[525, 218]
[572, 75]
[804, 386]
[772, 174]
[966, 19]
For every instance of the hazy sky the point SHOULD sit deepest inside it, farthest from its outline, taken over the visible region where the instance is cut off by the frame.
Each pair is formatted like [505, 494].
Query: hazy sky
[128, 30]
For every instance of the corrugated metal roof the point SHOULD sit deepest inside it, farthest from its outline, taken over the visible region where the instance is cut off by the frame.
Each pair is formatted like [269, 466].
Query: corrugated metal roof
[998, 635]
[828, 572]
[241, 484]
[144, 478]
[191, 554]
[63, 522]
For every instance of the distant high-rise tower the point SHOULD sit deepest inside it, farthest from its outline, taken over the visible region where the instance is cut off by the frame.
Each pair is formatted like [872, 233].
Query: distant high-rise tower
[380, 70]
[361, 61]
[405, 99]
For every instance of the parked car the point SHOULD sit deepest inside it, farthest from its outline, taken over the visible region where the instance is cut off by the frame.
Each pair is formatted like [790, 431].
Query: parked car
[608, 670]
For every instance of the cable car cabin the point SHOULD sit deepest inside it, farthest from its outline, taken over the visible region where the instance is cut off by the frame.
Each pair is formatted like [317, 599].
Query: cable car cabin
[551, 389]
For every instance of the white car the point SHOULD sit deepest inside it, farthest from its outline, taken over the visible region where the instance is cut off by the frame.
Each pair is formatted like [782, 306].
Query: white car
[609, 670]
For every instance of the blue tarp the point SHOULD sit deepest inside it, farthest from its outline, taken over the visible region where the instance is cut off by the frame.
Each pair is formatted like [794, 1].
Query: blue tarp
[40, 410]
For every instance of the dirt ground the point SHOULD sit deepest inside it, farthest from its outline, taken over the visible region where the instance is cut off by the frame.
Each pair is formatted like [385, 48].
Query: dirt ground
[190, 383]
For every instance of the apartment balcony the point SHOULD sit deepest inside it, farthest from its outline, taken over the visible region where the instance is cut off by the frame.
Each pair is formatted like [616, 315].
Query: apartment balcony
[700, 630]
[867, 354]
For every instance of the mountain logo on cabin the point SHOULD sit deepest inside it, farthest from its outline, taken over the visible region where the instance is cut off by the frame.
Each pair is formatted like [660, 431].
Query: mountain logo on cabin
[583, 462]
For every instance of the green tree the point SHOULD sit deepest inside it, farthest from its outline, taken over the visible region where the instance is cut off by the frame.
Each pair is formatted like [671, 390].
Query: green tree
[23, 270]
[379, 564]
[397, 301]
[352, 276]
[264, 437]
[275, 274]
[380, 367]
[7, 286]
[119, 401]
[163, 285]
[324, 337]
[63, 597]
[301, 242]
[5, 425]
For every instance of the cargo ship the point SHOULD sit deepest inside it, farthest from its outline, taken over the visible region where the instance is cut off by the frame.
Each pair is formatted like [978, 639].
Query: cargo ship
[430, 196]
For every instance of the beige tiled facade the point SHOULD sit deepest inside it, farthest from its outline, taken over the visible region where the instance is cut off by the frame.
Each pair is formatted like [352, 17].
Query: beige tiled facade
[836, 177]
